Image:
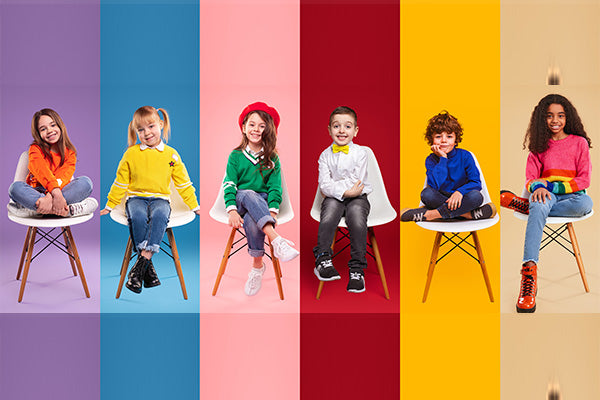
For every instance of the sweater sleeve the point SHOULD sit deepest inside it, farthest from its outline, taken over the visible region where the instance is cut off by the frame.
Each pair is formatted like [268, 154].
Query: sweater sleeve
[328, 186]
[120, 184]
[182, 182]
[230, 182]
[533, 172]
[472, 173]
[436, 171]
[40, 167]
[583, 172]
[274, 191]
[65, 172]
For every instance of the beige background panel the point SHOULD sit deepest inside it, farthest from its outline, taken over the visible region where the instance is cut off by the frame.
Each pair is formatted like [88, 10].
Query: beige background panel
[537, 349]
[534, 36]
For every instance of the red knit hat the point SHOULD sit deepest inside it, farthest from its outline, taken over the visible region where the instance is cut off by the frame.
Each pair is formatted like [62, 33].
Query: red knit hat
[260, 106]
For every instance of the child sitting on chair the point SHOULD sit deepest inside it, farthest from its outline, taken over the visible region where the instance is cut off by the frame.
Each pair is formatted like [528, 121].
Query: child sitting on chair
[453, 187]
[343, 183]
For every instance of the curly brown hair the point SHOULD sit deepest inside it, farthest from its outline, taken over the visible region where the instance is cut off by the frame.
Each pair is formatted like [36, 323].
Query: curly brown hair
[443, 122]
[538, 133]
[269, 140]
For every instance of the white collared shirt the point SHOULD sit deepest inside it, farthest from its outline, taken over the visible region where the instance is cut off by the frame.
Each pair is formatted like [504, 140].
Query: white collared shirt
[338, 172]
[160, 146]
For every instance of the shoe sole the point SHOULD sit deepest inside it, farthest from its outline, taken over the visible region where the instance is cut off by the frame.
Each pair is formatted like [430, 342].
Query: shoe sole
[333, 278]
[151, 286]
[355, 290]
[137, 291]
[526, 310]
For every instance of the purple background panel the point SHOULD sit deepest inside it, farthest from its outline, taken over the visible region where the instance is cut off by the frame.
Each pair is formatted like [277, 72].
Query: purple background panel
[50, 356]
[50, 57]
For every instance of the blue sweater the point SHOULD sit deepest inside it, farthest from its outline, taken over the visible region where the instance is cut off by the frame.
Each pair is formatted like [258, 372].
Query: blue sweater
[457, 172]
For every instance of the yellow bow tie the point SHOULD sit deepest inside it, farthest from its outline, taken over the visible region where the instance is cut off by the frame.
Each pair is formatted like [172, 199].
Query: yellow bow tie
[343, 149]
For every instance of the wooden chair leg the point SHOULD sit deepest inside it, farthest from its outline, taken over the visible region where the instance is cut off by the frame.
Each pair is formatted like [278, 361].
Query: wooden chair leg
[224, 261]
[371, 235]
[277, 269]
[27, 263]
[483, 267]
[69, 251]
[124, 265]
[175, 254]
[432, 263]
[24, 252]
[575, 245]
[322, 283]
[77, 260]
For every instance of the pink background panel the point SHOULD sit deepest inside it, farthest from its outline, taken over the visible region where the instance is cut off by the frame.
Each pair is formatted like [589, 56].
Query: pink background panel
[248, 52]
[247, 356]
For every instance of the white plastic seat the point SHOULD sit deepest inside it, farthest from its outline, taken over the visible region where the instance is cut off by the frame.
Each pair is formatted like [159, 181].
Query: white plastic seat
[451, 231]
[180, 215]
[218, 213]
[555, 235]
[381, 213]
[44, 226]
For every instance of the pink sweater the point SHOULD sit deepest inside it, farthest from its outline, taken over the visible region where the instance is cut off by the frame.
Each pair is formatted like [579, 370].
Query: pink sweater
[565, 166]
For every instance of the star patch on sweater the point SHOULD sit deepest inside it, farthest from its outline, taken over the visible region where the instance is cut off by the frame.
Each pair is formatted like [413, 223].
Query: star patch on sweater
[171, 163]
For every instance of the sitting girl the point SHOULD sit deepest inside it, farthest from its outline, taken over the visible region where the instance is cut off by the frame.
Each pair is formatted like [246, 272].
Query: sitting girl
[252, 189]
[558, 172]
[50, 187]
[144, 175]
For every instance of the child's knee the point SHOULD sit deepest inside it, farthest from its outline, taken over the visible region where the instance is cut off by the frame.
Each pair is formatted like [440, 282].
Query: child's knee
[539, 208]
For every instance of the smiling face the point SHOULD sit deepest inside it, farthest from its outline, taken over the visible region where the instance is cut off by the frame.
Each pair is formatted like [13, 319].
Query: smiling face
[253, 129]
[342, 129]
[49, 130]
[446, 141]
[149, 132]
[556, 119]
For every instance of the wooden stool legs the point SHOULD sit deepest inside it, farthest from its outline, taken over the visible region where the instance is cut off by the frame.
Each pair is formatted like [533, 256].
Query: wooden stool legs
[577, 253]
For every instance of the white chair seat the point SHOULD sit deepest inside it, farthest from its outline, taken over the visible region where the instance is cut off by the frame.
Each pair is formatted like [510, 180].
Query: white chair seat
[178, 217]
[49, 222]
[459, 226]
[555, 220]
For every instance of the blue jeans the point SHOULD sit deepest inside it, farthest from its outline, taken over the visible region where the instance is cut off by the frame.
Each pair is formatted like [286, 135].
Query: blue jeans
[75, 191]
[148, 218]
[435, 199]
[561, 205]
[254, 209]
[356, 210]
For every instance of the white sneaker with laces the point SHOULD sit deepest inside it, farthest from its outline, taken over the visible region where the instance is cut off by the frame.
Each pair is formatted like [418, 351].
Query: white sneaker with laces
[19, 211]
[283, 249]
[254, 281]
[84, 207]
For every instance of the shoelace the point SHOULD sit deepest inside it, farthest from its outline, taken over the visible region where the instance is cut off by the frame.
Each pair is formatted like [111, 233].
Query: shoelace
[355, 275]
[326, 264]
[519, 205]
[527, 285]
[477, 213]
[418, 217]
[76, 208]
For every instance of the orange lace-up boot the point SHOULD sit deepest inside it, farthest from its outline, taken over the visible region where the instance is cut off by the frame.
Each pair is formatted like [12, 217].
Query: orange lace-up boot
[526, 302]
[510, 200]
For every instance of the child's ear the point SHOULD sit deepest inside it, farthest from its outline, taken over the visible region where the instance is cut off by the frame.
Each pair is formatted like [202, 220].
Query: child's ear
[161, 123]
[356, 133]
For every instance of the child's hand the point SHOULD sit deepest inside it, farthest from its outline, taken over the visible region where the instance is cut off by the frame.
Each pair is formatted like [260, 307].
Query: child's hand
[104, 211]
[454, 201]
[274, 215]
[355, 190]
[44, 204]
[437, 150]
[235, 220]
[197, 212]
[540, 195]
[59, 204]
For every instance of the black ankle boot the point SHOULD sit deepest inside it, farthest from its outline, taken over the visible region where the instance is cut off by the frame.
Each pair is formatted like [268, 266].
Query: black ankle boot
[150, 277]
[134, 281]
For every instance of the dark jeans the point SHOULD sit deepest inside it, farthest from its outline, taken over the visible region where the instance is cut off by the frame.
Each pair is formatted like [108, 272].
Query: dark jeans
[435, 199]
[356, 210]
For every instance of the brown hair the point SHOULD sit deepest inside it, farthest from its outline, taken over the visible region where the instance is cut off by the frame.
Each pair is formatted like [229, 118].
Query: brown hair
[63, 142]
[147, 114]
[269, 140]
[443, 122]
[344, 110]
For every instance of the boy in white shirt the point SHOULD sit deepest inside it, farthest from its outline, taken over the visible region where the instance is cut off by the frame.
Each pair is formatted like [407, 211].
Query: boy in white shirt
[343, 182]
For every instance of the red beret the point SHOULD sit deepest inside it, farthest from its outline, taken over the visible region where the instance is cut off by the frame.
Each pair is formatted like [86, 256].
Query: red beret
[260, 106]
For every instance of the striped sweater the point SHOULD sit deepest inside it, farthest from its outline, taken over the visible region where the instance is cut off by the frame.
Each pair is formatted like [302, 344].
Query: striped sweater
[564, 168]
[147, 172]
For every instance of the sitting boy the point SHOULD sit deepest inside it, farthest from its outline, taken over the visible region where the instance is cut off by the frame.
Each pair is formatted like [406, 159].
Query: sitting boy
[453, 184]
[343, 183]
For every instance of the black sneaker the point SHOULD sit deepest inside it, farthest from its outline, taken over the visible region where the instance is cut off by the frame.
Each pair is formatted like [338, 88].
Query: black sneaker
[356, 283]
[486, 211]
[325, 271]
[413, 214]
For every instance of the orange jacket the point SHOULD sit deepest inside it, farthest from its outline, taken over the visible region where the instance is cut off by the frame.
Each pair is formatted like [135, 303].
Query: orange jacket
[49, 174]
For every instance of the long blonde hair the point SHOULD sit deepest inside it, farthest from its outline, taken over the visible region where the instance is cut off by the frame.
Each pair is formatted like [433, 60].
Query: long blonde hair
[145, 115]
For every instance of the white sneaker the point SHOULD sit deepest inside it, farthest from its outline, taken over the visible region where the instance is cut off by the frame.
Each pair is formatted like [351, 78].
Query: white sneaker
[283, 249]
[254, 281]
[19, 211]
[84, 207]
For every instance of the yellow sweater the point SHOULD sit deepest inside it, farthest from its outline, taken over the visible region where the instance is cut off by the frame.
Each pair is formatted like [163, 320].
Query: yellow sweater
[148, 172]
